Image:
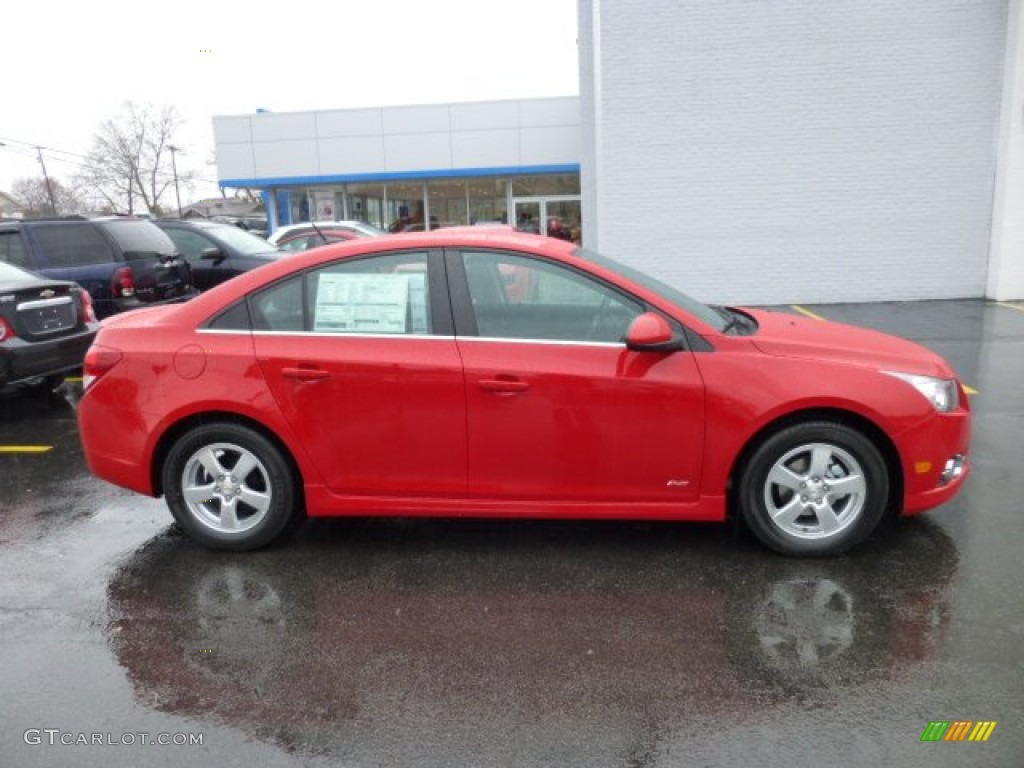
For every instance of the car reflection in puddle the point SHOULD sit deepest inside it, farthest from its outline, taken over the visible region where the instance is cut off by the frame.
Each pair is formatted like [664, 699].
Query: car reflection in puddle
[441, 642]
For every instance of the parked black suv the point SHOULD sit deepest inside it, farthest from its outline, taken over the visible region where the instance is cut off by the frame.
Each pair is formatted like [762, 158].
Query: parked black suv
[124, 262]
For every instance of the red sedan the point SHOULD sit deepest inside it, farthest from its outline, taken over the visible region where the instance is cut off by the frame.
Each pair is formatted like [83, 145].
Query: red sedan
[467, 372]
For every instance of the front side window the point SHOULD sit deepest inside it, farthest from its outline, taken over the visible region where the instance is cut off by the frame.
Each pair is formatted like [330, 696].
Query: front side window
[515, 297]
[190, 244]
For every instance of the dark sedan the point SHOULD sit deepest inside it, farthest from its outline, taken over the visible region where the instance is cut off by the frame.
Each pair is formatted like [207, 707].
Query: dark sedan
[217, 251]
[45, 327]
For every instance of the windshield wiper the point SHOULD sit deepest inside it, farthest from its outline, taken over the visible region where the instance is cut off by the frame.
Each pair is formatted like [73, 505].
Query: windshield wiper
[732, 319]
[736, 319]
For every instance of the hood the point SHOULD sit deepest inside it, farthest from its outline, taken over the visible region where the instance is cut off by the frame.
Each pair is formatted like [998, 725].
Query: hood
[786, 335]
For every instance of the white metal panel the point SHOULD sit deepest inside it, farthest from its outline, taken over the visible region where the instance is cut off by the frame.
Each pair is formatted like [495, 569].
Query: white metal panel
[235, 161]
[488, 115]
[283, 127]
[541, 112]
[556, 145]
[275, 159]
[417, 152]
[485, 149]
[418, 119]
[351, 155]
[349, 122]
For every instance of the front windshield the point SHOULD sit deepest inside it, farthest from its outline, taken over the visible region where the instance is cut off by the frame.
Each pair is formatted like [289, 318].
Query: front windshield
[667, 292]
[244, 242]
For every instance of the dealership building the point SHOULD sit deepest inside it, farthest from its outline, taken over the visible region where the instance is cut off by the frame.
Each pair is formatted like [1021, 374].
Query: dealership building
[744, 152]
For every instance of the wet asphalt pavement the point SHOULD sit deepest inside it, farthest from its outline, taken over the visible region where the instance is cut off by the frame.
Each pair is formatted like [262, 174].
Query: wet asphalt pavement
[490, 643]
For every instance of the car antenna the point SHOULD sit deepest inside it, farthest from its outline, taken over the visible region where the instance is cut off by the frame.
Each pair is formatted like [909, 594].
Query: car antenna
[317, 230]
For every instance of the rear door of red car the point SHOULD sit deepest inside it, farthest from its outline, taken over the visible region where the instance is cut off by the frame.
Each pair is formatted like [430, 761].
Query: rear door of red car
[558, 408]
[361, 358]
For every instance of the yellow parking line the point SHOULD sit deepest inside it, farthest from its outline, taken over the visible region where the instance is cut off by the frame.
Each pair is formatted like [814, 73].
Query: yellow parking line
[970, 390]
[805, 311]
[25, 448]
[1010, 305]
[73, 379]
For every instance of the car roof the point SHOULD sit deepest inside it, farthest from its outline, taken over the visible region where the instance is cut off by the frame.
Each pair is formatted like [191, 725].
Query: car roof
[208, 304]
[348, 224]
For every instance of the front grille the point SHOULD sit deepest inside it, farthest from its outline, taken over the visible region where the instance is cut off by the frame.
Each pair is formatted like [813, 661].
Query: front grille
[41, 318]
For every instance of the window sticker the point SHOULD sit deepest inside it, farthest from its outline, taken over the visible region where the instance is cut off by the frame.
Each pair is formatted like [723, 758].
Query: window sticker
[362, 303]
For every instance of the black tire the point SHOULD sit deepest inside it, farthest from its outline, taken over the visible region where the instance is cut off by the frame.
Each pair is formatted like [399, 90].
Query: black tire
[788, 495]
[235, 513]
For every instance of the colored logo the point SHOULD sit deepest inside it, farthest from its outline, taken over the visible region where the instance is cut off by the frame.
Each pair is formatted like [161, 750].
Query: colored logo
[958, 730]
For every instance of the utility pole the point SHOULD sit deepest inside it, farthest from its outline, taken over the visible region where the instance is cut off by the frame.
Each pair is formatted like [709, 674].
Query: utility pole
[131, 186]
[49, 186]
[174, 166]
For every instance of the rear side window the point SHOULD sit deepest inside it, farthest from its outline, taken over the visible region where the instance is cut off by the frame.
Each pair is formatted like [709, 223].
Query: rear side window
[384, 294]
[72, 245]
[13, 250]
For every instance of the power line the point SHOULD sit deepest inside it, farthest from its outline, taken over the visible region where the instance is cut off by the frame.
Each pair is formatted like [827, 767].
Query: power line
[31, 150]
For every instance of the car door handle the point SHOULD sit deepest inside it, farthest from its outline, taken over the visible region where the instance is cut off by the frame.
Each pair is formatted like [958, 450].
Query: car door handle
[503, 386]
[304, 374]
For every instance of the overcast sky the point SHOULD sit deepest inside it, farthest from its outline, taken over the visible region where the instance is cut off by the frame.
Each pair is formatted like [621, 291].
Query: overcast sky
[69, 65]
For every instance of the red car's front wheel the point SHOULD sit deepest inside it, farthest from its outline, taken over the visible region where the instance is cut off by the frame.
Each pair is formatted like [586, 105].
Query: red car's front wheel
[816, 488]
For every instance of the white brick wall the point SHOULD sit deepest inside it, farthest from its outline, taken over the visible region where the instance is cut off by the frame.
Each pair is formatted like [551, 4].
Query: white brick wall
[1006, 272]
[798, 151]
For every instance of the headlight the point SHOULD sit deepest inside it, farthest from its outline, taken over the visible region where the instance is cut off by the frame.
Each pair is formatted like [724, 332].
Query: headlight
[941, 393]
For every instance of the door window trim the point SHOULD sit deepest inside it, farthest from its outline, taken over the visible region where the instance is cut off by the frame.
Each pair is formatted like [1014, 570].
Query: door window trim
[437, 287]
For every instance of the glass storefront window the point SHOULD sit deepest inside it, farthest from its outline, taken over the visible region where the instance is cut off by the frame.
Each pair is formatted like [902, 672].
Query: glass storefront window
[302, 204]
[549, 202]
[366, 203]
[447, 203]
[488, 201]
[540, 186]
[405, 206]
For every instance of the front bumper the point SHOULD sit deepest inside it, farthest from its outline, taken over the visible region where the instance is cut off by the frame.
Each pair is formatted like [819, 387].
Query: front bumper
[935, 457]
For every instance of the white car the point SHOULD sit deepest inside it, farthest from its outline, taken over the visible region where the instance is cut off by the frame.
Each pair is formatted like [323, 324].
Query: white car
[359, 227]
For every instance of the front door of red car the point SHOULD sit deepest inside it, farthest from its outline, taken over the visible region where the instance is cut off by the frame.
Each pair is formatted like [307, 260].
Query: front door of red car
[558, 408]
[362, 361]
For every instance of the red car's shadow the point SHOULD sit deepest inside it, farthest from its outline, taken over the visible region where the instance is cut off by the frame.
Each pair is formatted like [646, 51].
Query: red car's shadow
[445, 642]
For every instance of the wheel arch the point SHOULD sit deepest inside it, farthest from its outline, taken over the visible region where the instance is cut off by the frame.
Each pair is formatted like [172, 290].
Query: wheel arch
[173, 433]
[864, 425]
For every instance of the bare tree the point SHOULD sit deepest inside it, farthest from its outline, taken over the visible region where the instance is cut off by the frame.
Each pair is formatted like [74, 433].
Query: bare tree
[35, 198]
[129, 165]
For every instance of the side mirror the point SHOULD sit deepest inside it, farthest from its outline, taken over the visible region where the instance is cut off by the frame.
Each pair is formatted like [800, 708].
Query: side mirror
[650, 332]
[212, 254]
